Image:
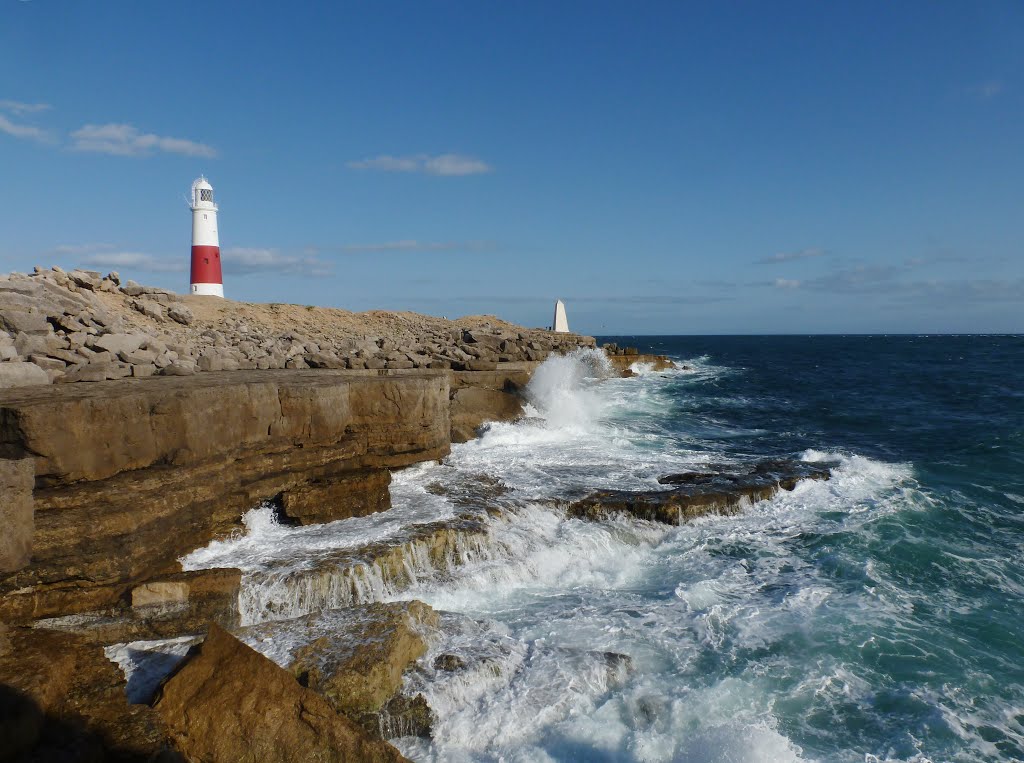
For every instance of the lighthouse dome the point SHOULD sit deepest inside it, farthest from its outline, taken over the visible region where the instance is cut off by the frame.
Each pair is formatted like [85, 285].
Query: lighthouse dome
[202, 194]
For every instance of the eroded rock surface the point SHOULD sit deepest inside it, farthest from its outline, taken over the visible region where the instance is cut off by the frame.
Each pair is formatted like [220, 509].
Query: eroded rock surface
[228, 703]
[130, 476]
[356, 658]
[696, 494]
[61, 699]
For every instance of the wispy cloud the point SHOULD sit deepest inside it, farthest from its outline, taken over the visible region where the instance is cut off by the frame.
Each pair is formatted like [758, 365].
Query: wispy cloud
[786, 283]
[986, 90]
[128, 140]
[414, 245]
[20, 109]
[19, 129]
[136, 260]
[802, 254]
[82, 248]
[246, 260]
[440, 164]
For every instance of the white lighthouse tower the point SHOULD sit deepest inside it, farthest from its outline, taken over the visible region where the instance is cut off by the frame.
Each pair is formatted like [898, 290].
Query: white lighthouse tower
[206, 274]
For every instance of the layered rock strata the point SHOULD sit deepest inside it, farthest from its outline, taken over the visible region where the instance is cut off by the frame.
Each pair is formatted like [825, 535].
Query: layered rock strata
[129, 476]
[696, 494]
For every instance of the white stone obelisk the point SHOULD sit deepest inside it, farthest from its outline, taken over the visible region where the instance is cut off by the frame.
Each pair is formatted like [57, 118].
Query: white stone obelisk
[560, 323]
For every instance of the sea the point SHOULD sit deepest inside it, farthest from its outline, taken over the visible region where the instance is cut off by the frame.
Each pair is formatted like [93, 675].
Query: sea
[878, 616]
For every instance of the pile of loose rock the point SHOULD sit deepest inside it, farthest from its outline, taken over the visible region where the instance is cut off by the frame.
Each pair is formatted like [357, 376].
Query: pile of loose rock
[58, 326]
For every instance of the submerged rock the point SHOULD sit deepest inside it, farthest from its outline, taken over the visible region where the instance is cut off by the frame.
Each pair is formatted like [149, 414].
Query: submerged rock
[356, 658]
[696, 494]
[227, 702]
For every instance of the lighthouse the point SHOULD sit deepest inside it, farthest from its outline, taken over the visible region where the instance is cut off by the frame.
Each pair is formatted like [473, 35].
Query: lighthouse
[206, 277]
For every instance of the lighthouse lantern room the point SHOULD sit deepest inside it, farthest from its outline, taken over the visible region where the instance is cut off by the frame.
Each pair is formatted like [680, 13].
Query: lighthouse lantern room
[206, 274]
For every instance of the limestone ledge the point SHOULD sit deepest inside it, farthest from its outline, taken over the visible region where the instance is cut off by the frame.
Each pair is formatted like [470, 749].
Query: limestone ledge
[131, 475]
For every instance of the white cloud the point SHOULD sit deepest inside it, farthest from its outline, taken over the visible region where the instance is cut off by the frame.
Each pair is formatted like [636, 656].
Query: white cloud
[81, 248]
[136, 260]
[802, 254]
[786, 283]
[19, 108]
[28, 132]
[127, 140]
[441, 164]
[413, 245]
[244, 261]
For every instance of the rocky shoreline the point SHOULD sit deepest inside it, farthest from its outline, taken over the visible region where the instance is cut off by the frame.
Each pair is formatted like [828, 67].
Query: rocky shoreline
[197, 410]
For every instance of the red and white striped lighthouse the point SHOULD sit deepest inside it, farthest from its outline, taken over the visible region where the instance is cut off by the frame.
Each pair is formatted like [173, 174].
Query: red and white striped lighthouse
[206, 276]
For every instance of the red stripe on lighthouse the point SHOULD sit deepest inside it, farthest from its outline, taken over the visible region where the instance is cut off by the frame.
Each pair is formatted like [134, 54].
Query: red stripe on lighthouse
[206, 265]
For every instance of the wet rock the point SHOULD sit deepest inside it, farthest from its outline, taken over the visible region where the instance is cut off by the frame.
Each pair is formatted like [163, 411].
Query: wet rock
[361, 669]
[697, 494]
[471, 407]
[354, 494]
[230, 703]
[449, 663]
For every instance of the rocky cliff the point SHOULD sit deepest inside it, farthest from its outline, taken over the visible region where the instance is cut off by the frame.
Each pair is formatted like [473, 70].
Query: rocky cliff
[80, 326]
[127, 476]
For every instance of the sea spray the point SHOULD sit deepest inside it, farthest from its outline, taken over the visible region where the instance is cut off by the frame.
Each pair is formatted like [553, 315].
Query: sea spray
[871, 617]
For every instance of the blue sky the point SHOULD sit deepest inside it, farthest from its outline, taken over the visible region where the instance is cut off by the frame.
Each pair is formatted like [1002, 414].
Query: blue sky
[728, 167]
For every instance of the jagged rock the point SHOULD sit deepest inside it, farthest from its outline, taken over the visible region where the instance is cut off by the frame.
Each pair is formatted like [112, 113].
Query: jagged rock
[118, 343]
[229, 703]
[700, 493]
[61, 699]
[29, 322]
[133, 289]
[149, 308]
[179, 368]
[85, 279]
[20, 374]
[180, 314]
[324, 360]
[356, 658]
[96, 372]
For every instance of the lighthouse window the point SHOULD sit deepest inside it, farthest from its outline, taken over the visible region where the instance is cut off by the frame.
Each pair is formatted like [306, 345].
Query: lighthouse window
[206, 194]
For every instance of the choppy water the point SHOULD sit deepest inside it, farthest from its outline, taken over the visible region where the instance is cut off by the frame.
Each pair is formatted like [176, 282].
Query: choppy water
[875, 617]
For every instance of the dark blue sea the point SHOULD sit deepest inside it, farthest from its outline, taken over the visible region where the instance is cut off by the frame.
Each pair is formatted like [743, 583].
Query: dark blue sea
[878, 616]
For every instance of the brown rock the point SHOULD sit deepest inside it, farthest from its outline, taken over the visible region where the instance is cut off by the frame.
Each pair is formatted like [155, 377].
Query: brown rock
[700, 493]
[360, 668]
[17, 478]
[131, 476]
[354, 494]
[61, 699]
[229, 703]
